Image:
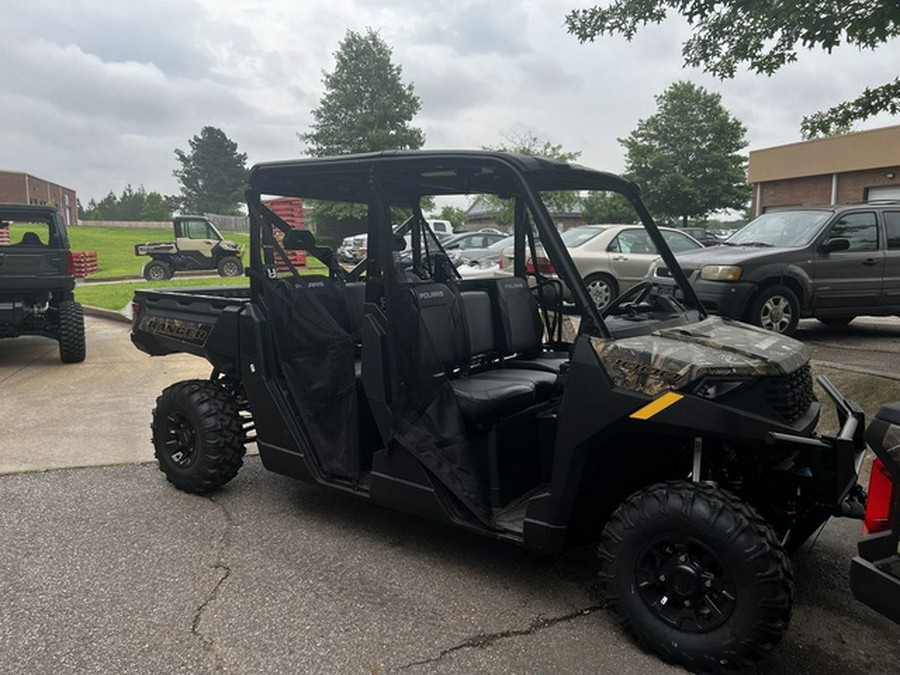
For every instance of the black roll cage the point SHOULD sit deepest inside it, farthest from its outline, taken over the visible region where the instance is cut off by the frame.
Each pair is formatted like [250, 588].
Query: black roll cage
[402, 178]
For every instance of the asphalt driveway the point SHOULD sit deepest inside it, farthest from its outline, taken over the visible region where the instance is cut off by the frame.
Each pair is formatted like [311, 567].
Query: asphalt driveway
[107, 569]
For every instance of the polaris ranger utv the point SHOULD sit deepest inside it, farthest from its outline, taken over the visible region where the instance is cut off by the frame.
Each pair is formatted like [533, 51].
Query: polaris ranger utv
[198, 245]
[37, 279]
[684, 445]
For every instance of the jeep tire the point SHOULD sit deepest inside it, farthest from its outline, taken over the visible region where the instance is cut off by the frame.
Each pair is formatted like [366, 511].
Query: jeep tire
[696, 576]
[230, 266]
[71, 332]
[197, 436]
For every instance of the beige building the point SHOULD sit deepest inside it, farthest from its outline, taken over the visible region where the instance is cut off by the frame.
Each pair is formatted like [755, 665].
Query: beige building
[858, 167]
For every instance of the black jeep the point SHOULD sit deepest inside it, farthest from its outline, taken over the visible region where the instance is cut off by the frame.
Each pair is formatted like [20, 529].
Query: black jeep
[684, 445]
[36, 279]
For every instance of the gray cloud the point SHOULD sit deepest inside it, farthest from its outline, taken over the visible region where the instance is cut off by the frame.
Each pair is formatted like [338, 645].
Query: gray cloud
[98, 94]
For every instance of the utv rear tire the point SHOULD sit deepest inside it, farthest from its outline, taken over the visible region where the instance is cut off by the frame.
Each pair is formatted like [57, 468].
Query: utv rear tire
[157, 270]
[230, 267]
[71, 332]
[198, 436]
[696, 576]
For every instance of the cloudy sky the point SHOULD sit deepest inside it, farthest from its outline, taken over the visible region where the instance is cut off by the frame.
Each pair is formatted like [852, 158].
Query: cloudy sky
[97, 94]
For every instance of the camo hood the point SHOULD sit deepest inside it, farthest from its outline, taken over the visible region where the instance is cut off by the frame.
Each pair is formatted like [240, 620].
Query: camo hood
[672, 358]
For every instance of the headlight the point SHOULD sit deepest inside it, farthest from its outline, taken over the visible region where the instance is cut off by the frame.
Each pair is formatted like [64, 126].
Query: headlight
[721, 272]
[715, 388]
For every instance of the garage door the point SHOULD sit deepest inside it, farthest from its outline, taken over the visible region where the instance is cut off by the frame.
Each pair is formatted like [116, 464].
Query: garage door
[878, 193]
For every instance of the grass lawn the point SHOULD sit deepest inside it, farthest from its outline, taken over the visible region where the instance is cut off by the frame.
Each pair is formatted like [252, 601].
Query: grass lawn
[116, 295]
[115, 246]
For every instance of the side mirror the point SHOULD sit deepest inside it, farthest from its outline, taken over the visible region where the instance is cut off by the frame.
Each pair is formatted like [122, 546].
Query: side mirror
[299, 240]
[398, 243]
[837, 244]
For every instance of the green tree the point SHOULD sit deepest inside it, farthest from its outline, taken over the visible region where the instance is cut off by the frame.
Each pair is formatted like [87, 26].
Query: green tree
[454, 214]
[130, 205]
[687, 156]
[607, 207]
[528, 143]
[213, 175]
[764, 35]
[366, 107]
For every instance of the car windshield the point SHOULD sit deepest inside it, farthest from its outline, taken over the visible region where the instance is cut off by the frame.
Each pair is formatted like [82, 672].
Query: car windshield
[502, 244]
[580, 235]
[783, 229]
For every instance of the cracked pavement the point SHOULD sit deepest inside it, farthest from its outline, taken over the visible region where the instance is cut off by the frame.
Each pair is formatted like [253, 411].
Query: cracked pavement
[108, 569]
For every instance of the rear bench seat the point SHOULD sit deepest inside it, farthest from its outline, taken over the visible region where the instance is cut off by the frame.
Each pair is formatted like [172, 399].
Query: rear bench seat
[517, 326]
[490, 391]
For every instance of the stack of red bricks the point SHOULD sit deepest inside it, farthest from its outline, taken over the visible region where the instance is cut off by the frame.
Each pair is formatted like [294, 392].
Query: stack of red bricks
[84, 263]
[290, 210]
[4, 236]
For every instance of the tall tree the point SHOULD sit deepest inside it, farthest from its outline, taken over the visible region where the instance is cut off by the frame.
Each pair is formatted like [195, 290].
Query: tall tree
[213, 175]
[365, 107]
[528, 143]
[130, 205]
[687, 156]
[764, 35]
[607, 207]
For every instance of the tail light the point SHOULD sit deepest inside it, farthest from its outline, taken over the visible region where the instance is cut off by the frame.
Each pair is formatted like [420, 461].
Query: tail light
[500, 262]
[879, 505]
[135, 311]
[544, 266]
[70, 264]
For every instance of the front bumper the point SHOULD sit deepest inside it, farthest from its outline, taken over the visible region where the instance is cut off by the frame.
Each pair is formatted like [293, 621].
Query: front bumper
[725, 298]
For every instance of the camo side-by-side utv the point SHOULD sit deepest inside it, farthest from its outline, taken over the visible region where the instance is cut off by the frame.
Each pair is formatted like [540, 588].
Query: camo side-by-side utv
[683, 445]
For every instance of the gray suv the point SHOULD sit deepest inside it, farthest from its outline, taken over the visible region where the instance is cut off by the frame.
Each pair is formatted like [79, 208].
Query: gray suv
[830, 262]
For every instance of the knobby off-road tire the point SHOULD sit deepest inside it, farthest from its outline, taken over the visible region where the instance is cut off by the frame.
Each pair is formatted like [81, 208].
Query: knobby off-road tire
[71, 332]
[197, 435]
[696, 576]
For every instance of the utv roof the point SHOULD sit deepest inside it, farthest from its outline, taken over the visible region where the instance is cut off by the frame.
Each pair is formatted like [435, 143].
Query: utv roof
[407, 174]
[23, 211]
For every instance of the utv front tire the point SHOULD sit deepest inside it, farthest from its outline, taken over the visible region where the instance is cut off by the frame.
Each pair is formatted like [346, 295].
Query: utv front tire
[230, 267]
[198, 436]
[696, 576]
[71, 332]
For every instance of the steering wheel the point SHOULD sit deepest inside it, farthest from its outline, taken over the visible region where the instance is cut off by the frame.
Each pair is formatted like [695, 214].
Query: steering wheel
[633, 297]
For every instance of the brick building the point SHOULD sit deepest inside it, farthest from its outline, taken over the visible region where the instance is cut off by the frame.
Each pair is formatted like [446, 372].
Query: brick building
[853, 168]
[23, 188]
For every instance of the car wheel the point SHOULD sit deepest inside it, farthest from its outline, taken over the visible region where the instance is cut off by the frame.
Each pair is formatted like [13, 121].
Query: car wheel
[696, 576]
[230, 267]
[776, 309]
[71, 332]
[198, 436]
[602, 288]
[157, 270]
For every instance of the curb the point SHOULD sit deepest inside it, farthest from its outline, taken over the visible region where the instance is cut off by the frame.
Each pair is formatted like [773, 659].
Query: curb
[100, 313]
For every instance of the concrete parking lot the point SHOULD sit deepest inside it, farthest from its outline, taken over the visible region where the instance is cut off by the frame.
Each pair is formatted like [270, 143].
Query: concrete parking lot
[105, 568]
